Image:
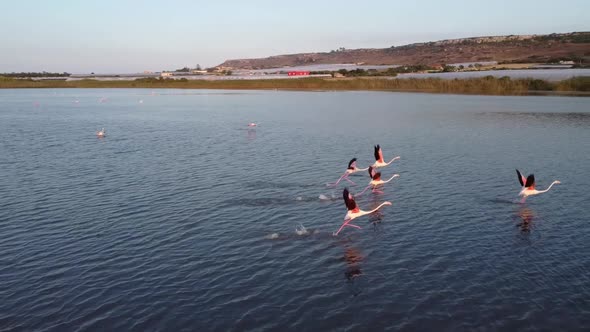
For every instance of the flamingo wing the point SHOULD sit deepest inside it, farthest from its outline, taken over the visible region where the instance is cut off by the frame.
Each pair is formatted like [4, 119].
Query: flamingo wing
[530, 181]
[377, 176]
[521, 178]
[371, 171]
[376, 153]
[352, 163]
[348, 200]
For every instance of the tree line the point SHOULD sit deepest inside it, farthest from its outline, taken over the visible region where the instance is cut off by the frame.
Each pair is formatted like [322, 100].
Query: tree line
[35, 74]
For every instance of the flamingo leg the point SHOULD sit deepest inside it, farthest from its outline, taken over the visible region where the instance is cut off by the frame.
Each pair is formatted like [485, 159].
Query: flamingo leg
[346, 223]
[523, 200]
[362, 192]
[341, 227]
[349, 180]
[345, 175]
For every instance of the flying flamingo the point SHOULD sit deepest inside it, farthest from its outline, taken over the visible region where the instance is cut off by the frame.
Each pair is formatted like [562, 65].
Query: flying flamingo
[376, 180]
[350, 170]
[252, 124]
[528, 186]
[379, 162]
[354, 211]
[101, 133]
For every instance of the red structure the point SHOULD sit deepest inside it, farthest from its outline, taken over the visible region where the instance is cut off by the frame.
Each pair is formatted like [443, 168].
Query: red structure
[298, 73]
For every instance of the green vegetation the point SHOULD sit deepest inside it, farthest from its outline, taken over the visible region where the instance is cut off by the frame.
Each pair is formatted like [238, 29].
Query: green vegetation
[487, 85]
[574, 37]
[581, 83]
[35, 74]
[391, 72]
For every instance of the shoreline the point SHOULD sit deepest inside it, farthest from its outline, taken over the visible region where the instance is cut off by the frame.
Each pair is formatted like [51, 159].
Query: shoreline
[577, 86]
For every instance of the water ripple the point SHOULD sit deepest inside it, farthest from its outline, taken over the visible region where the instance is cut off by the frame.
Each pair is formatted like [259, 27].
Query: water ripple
[183, 219]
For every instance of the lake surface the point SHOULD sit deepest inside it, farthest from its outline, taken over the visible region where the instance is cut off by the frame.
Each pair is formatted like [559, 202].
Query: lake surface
[184, 219]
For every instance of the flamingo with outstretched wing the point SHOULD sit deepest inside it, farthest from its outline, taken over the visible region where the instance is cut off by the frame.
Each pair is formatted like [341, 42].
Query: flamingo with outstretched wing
[528, 186]
[379, 162]
[354, 211]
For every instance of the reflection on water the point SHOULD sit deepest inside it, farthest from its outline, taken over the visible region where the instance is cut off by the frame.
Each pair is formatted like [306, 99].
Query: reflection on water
[525, 216]
[353, 258]
[569, 118]
[526, 223]
[376, 217]
[183, 188]
[251, 134]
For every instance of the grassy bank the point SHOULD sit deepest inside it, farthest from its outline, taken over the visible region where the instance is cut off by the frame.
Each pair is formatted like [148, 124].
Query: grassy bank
[486, 85]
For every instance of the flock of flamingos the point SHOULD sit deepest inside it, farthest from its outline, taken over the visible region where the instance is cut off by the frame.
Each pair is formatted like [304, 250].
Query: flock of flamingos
[528, 187]
[528, 184]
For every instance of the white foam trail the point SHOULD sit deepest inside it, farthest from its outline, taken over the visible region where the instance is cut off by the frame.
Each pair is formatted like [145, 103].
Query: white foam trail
[323, 197]
[301, 230]
[272, 236]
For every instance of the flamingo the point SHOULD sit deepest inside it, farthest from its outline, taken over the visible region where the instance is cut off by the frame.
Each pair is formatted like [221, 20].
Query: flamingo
[376, 180]
[101, 133]
[354, 211]
[252, 124]
[350, 170]
[528, 186]
[379, 162]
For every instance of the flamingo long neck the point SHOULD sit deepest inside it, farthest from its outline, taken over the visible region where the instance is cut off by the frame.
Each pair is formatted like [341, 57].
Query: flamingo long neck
[391, 178]
[361, 169]
[392, 160]
[375, 209]
[546, 190]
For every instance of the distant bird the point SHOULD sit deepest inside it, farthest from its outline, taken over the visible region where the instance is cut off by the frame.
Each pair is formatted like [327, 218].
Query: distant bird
[376, 180]
[141, 101]
[252, 124]
[350, 170]
[379, 162]
[101, 133]
[528, 186]
[354, 211]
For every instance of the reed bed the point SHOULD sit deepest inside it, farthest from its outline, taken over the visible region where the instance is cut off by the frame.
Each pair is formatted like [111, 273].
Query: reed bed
[486, 85]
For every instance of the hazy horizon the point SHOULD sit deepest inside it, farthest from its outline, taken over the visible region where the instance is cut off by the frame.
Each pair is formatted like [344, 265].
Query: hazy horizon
[134, 36]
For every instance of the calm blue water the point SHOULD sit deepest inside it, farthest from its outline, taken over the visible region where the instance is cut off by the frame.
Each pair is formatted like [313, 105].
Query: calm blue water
[182, 218]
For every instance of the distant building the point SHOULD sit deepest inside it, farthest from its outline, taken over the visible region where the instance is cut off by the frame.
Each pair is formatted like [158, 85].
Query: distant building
[198, 72]
[298, 73]
[166, 74]
[569, 62]
[222, 68]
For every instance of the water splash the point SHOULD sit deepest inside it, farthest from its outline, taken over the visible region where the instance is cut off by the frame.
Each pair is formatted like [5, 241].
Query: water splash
[323, 197]
[301, 230]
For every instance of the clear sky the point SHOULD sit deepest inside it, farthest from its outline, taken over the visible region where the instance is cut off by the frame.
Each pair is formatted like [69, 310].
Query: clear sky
[129, 36]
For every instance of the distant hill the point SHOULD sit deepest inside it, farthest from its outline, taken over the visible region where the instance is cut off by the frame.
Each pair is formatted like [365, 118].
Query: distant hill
[523, 48]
